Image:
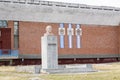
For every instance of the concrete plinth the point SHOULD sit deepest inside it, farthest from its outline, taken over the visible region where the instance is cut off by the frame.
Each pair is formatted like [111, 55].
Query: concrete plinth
[72, 68]
[49, 52]
[84, 68]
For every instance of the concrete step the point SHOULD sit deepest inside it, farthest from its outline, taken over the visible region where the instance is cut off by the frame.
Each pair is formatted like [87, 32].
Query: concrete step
[68, 70]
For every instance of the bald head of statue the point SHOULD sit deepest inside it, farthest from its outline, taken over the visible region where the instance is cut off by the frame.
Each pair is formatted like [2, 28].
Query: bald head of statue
[49, 30]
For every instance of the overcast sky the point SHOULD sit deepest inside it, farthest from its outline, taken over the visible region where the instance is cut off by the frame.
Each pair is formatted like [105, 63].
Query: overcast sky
[114, 3]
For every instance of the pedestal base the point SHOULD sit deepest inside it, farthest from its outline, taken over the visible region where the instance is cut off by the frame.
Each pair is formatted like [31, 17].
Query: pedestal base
[70, 69]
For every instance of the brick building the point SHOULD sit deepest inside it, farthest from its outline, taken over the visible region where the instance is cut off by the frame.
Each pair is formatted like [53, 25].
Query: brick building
[86, 34]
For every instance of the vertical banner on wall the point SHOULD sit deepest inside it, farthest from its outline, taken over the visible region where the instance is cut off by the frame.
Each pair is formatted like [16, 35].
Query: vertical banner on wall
[70, 33]
[61, 33]
[78, 35]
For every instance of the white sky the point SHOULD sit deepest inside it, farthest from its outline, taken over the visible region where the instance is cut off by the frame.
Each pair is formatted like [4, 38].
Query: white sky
[114, 3]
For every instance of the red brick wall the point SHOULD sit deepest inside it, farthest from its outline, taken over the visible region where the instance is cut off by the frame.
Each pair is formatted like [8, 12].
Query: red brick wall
[95, 39]
[119, 38]
[11, 25]
[30, 36]
[100, 39]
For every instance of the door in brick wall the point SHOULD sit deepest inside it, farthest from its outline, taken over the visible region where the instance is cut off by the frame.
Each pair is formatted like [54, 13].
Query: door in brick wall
[0, 44]
[5, 38]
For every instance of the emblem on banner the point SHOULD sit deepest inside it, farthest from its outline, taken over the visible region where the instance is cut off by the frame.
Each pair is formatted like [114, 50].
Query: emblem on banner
[61, 31]
[78, 31]
[70, 31]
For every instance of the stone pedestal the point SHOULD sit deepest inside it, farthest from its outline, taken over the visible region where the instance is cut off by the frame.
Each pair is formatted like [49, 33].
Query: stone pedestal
[49, 52]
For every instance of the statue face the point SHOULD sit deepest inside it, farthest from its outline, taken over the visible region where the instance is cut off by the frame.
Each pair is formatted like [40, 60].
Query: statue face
[49, 29]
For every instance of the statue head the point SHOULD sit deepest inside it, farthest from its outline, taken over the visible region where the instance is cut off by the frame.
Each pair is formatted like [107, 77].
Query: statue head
[48, 29]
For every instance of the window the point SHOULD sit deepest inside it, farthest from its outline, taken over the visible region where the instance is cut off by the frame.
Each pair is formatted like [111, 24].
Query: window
[16, 34]
[3, 23]
[16, 28]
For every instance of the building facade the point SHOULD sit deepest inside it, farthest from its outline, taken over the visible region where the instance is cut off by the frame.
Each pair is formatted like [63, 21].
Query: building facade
[85, 33]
